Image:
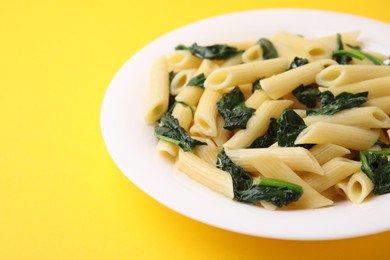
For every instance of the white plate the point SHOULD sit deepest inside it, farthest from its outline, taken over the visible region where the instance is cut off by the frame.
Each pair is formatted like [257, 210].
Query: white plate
[131, 143]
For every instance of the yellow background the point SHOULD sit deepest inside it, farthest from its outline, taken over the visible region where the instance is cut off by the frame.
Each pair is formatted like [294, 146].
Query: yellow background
[61, 195]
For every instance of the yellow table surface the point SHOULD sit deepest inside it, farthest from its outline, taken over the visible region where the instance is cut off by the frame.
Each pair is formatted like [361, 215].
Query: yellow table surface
[61, 195]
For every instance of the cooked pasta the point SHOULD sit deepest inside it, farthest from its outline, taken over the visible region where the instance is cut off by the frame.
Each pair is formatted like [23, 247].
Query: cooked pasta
[287, 121]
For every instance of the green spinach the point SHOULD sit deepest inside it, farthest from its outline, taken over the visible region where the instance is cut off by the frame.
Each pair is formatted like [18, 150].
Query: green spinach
[290, 124]
[297, 62]
[211, 52]
[169, 130]
[279, 193]
[197, 81]
[307, 95]
[269, 50]
[376, 166]
[256, 85]
[233, 110]
[331, 104]
[343, 56]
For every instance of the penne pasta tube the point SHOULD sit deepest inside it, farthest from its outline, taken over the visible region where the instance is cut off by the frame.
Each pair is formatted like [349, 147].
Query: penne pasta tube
[369, 117]
[339, 75]
[272, 167]
[257, 125]
[253, 53]
[158, 97]
[207, 153]
[325, 152]
[351, 137]
[302, 47]
[256, 99]
[244, 73]
[335, 171]
[181, 59]
[205, 119]
[205, 173]
[359, 187]
[378, 87]
[284, 83]
[167, 150]
[180, 80]
[381, 102]
[191, 94]
[235, 60]
[222, 134]
[297, 158]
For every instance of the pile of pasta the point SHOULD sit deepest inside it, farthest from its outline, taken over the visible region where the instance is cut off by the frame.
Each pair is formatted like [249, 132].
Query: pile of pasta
[328, 170]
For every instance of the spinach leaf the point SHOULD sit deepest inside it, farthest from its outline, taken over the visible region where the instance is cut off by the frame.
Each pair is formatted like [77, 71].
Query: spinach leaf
[290, 125]
[256, 85]
[297, 62]
[233, 110]
[211, 52]
[376, 166]
[269, 50]
[332, 104]
[197, 81]
[339, 55]
[279, 193]
[269, 138]
[307, 95]
[241, 179]
[343, 56]
[169, 130]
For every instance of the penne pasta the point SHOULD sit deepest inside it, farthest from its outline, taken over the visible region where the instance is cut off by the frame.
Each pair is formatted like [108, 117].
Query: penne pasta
[192, 94]
[180, 80]
[207, 153]
[368, 117]
[325, 152]
[297, 158]
[181, 59]
[377, 87]
[335, 171]
[382, 103]
[339, 75]
[284, 83]
[351, 137]
[256, 99]
[205, 119]
[205, 173]
[302, 47]
[244, 73]
[359, 187]
[253, 53]
[158, 92]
